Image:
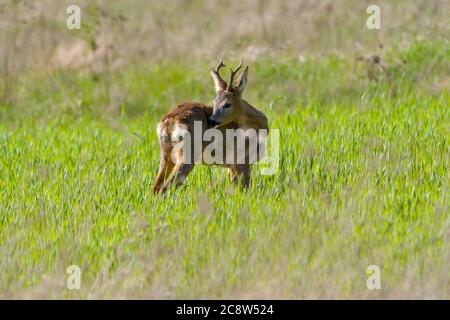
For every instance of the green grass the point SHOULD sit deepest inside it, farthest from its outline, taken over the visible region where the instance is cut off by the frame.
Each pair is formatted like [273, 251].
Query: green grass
[364, 179]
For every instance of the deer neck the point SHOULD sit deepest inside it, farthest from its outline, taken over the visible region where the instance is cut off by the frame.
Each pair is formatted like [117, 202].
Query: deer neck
[248, 116]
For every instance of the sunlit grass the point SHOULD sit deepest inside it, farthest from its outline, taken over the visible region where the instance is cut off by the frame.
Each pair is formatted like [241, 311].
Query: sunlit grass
[364, 179]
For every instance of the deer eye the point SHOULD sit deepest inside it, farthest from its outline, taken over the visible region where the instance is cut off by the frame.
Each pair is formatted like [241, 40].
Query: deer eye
[227, 105]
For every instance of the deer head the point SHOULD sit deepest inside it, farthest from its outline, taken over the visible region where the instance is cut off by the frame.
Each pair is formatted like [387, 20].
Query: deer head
[228, 96]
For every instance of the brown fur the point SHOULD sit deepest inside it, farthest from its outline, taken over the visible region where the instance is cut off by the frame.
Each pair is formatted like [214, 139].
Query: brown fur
[185, 110]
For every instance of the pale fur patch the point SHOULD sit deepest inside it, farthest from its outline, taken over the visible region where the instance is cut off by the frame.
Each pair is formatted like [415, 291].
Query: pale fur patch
[178, 132]
[162, 133]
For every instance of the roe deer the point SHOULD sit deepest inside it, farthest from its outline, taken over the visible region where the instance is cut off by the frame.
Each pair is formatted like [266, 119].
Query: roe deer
[229, 111]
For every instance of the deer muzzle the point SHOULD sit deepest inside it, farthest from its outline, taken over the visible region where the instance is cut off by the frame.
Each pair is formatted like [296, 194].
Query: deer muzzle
[211, 122]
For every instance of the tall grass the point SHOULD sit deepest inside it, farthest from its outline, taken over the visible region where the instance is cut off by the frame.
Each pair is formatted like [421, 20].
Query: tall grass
[363, 180]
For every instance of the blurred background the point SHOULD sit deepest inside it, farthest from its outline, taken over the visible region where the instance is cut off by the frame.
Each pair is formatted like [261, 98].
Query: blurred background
[37, 49]
[34, 33]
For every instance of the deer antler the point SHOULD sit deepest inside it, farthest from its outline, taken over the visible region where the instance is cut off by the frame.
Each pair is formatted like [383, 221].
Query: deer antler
[216, 70]
[233, 73]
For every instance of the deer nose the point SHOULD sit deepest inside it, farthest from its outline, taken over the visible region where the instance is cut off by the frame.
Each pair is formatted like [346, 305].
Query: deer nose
[212, 122]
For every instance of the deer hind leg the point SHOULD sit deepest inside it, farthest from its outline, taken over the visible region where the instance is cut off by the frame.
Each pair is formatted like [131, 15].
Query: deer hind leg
[240, 174]
[165, 168]
[178, 176]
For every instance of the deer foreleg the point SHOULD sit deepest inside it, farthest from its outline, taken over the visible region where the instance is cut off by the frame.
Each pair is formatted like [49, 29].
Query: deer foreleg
[240, 174]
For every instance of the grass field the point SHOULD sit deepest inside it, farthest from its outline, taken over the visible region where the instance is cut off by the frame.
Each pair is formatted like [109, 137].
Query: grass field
[363, 180]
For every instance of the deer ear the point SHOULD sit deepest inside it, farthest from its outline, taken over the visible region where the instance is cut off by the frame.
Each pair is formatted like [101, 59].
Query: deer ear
[219, 84]
[241, 82]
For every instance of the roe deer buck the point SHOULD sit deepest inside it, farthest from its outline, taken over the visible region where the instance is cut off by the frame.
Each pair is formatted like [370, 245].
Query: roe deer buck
[229, 111]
